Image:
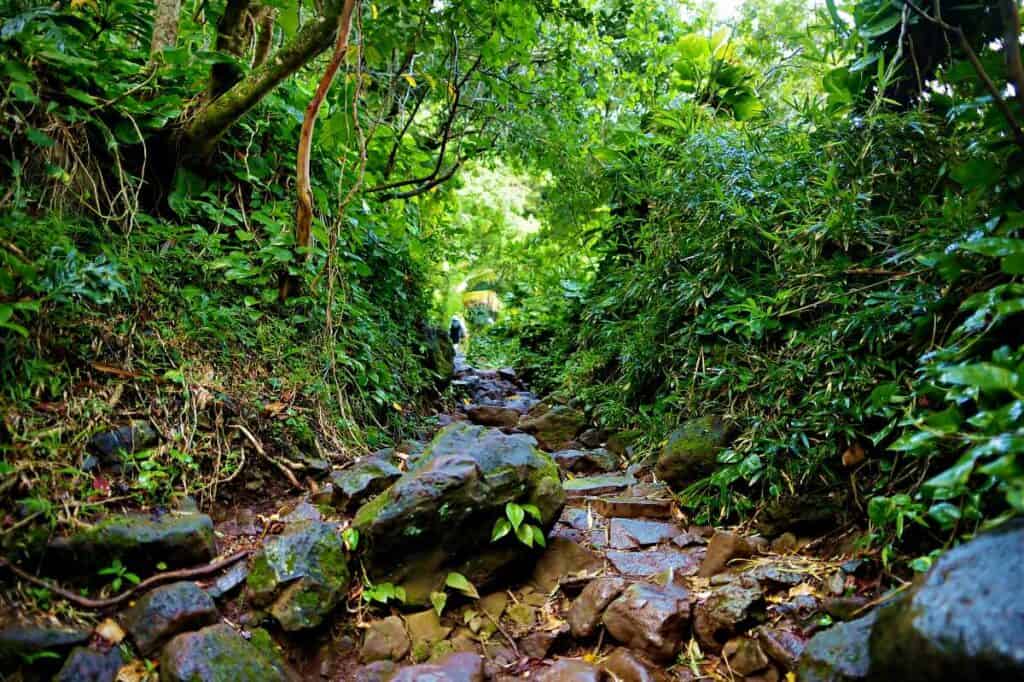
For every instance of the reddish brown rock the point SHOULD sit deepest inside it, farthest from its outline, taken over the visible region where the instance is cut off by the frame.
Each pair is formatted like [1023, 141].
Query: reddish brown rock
[629, 666]
[587, 609]
[744, 655]
[723, 548]
[457, 667]
[650, 618]
[493, 415]
[571, 670]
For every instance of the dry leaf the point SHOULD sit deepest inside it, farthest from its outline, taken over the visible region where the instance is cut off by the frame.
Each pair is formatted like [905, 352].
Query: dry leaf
[853, 456]
[802, 590]
[110, 631]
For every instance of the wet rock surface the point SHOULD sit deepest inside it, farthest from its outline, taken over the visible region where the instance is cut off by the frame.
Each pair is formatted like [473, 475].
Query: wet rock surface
[651, 618]
[964, 620]
[300, 575]
[140, 541]
[218, 654]
[439, 516]
[616, 584]
[166, 611]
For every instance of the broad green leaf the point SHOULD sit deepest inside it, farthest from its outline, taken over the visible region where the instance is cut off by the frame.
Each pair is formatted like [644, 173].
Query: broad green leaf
[501, 529]
[983, 375]
[515, 514]
[457, 581]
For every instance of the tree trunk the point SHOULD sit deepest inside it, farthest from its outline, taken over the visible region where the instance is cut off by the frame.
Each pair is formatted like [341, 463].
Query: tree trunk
[231, 34]
[210, 122]
[265, 39]
[165, 27]
[304, 209]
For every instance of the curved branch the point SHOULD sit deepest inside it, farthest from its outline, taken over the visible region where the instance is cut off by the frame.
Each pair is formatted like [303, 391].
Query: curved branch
[152, 581]
[304, 213]
[202, 132]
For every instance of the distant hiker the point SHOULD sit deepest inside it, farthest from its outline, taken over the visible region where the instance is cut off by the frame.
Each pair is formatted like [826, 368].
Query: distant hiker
[456, 331]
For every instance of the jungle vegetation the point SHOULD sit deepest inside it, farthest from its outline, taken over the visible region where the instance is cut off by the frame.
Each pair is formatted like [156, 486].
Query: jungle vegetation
[803, 215]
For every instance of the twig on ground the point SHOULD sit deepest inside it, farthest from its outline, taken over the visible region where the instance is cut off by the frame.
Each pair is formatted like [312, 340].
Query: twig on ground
[152, 581]
[283, 468]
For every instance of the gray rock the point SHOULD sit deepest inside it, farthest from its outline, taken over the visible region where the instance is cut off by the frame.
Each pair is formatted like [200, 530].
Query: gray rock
[302, 574]
[140, 541]
[691, 452]
[219, 654]
[964, 620]
[651, 618]
[597, 460]
[89, 665]
[166, 611]
[598, 485]
[840, 654]
[636, 533]
[110, 446]
[438, 517]
[17, 640]
[725, 612]
[361, 481]
[229, 581]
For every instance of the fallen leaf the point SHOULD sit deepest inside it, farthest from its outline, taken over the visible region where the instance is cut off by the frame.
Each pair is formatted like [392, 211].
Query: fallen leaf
[109, 630]
[802, 590]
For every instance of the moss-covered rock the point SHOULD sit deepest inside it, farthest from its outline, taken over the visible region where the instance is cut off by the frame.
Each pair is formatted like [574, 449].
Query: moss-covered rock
[218, 654]
[302, 574]
[361, 481]
[140, 541]
[692, 451]
[555, 428]
[438, 517]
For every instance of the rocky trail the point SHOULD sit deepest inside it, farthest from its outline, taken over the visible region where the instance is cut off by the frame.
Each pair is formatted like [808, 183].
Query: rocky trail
[517, 544]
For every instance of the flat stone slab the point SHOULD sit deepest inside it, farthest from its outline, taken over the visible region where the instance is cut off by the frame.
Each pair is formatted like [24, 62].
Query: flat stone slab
[586, 486]
[636, 533]
[632, 507]
[653, 561]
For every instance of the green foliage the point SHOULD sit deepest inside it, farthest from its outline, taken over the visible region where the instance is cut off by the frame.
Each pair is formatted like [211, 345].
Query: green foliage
[382, 593]
[119, 575]
[515, 521]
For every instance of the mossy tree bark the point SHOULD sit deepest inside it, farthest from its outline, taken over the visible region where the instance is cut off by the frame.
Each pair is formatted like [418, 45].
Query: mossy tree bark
[214, 118]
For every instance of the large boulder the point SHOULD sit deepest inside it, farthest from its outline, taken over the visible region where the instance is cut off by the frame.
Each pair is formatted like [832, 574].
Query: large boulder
[456, 667]
[301, 574]
[140, 541]
[438, 516]
[89, 665]
[692, 451]
[963, 621]
[555, 428]
[219, 654]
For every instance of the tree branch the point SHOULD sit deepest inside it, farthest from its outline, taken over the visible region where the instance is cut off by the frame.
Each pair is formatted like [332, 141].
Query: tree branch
[304, 209]
[211, 121]
[1004, 108]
